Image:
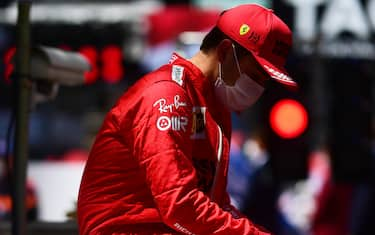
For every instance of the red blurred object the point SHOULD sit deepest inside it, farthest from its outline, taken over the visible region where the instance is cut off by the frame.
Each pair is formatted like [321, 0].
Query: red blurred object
[288, 118]
[75, 155]
[333, 210]
[169, 22]
[91, 54]
[9, 67]
[333, 199]
[111, 58]
[71, 155]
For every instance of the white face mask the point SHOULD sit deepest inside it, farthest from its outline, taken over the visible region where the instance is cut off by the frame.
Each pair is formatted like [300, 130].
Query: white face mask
[242, 95]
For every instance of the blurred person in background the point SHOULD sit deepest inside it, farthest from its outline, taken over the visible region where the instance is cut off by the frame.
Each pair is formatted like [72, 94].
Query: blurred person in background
[159, 164]
[247, 157]
[316, 205]
[261, 188]
[363, 210]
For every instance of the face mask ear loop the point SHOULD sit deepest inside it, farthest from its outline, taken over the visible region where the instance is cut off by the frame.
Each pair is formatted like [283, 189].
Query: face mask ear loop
[236, 59]
[220, 74]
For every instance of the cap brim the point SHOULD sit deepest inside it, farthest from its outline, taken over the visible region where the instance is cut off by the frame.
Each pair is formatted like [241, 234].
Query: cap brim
[276, 73]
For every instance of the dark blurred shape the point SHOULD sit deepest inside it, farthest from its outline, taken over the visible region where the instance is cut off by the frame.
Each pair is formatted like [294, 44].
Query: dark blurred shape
[44, 228]
[288, 156]
[5, 3]
[351, 120]
[169, 2]
[260, 204]
[363, 213]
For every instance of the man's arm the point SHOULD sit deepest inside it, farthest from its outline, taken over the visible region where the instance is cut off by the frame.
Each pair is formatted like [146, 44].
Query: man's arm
[163, 147]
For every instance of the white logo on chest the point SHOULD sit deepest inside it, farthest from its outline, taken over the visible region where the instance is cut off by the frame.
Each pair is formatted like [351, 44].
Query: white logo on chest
[163, 107]
[176, 123]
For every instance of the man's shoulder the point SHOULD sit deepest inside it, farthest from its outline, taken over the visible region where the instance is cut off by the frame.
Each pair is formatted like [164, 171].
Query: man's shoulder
[168, 73]
[168, 79]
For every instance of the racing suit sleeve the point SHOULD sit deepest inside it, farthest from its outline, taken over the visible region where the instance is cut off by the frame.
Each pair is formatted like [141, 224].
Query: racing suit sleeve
[163, 149]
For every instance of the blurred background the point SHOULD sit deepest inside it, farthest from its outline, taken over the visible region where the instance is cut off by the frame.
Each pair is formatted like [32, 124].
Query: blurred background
[302, 163]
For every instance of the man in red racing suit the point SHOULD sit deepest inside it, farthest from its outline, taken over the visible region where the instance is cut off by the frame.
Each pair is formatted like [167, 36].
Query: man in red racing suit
[159, 163]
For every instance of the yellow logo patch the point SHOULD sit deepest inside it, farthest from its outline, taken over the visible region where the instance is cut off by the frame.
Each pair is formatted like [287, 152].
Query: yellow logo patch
[244, 29]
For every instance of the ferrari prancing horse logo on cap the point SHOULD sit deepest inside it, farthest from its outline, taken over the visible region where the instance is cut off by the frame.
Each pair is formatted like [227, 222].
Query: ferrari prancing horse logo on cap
[244, 29]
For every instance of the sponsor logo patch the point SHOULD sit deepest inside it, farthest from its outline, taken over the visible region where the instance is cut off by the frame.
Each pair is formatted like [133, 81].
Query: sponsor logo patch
[177, 74]
[176, 123]
[163, 107]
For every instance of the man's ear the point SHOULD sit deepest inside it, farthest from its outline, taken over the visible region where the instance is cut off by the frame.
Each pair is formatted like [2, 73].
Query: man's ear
[222, 49]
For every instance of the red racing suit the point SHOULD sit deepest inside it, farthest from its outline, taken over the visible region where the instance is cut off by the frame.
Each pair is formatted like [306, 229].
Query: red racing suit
[159, 163]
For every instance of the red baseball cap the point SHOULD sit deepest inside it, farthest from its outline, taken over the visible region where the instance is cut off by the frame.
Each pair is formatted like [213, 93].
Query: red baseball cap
[261, 32]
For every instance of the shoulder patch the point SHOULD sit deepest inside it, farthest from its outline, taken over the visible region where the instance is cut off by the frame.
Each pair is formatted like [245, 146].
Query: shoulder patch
[178, 74]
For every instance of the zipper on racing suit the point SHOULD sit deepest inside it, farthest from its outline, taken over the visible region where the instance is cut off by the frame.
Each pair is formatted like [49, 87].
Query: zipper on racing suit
[216, 180]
